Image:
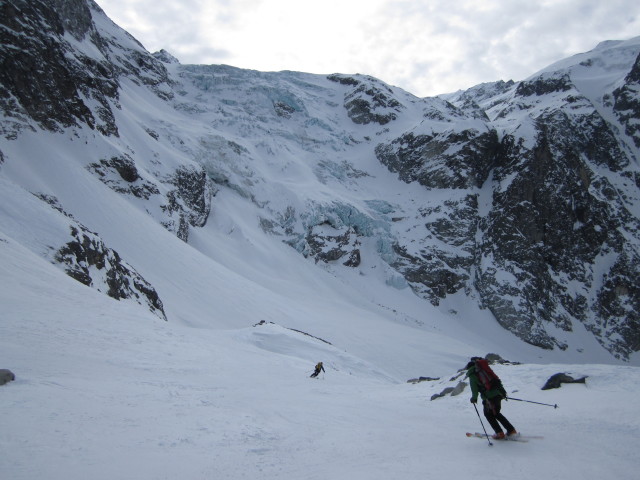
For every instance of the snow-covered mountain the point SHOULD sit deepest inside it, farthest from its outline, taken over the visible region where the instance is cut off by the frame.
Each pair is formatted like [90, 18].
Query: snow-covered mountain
[180, 244]
[520, 198]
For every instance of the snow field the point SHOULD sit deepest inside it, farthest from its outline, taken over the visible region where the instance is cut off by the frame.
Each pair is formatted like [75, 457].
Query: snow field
[105, 390]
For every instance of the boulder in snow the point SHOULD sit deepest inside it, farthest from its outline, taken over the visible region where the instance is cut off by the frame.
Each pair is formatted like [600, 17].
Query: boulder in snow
[6, 376]
[556, 381]
[453, 391]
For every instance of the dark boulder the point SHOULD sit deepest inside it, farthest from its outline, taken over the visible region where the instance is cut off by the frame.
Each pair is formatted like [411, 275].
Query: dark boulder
[6, 376]
[423, 379]
[453, 391]
[556, 381]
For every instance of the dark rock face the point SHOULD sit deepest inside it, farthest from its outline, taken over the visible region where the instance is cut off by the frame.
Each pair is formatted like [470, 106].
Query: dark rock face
[369, 102]
[165, 57]
[121, 174]
[187, 202]
[543, 231]
[344, 80]
[551, 226]
[333, 246]
[627, 103]
[432, 274]
[431, 161]
[283, 109]
[43, 78]
[618, 306]
[541, 86]
[38, 82]
[88, 260]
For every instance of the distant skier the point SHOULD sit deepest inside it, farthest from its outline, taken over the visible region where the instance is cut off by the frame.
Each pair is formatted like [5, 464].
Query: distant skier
[317, 370]
[484, 381]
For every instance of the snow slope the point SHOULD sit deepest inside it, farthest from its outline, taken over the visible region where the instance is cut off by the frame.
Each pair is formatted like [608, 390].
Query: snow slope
[104, 390]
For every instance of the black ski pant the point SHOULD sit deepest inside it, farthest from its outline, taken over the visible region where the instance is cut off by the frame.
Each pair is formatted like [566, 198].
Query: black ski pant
[494, 417]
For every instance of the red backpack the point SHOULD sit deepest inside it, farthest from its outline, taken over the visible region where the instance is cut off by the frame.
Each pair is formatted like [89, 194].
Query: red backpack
[488, 380]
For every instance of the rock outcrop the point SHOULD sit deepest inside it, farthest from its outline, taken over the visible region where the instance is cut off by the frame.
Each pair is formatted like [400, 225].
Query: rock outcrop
[87, 259]
[46, 78]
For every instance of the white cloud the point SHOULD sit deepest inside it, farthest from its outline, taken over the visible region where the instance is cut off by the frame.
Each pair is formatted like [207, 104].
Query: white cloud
[425, 46]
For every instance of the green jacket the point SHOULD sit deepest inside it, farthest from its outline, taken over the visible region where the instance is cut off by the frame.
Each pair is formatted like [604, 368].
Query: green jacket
[474, 382]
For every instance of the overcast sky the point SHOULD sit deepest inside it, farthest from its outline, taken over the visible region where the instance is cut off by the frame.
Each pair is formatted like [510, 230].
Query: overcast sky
[427, 47]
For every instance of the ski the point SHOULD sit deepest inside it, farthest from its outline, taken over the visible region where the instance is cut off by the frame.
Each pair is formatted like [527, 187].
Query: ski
[506, 439]
[514, 438]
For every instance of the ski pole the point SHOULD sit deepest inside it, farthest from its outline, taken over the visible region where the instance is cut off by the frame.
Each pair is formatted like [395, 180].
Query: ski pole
[481, 423]
[529, 401]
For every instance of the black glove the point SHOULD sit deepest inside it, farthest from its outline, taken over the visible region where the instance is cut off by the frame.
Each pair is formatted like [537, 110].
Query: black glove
[474, 400]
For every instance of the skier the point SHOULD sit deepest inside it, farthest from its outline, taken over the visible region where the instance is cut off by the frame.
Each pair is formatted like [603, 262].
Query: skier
[317, 370]
[491, 401]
